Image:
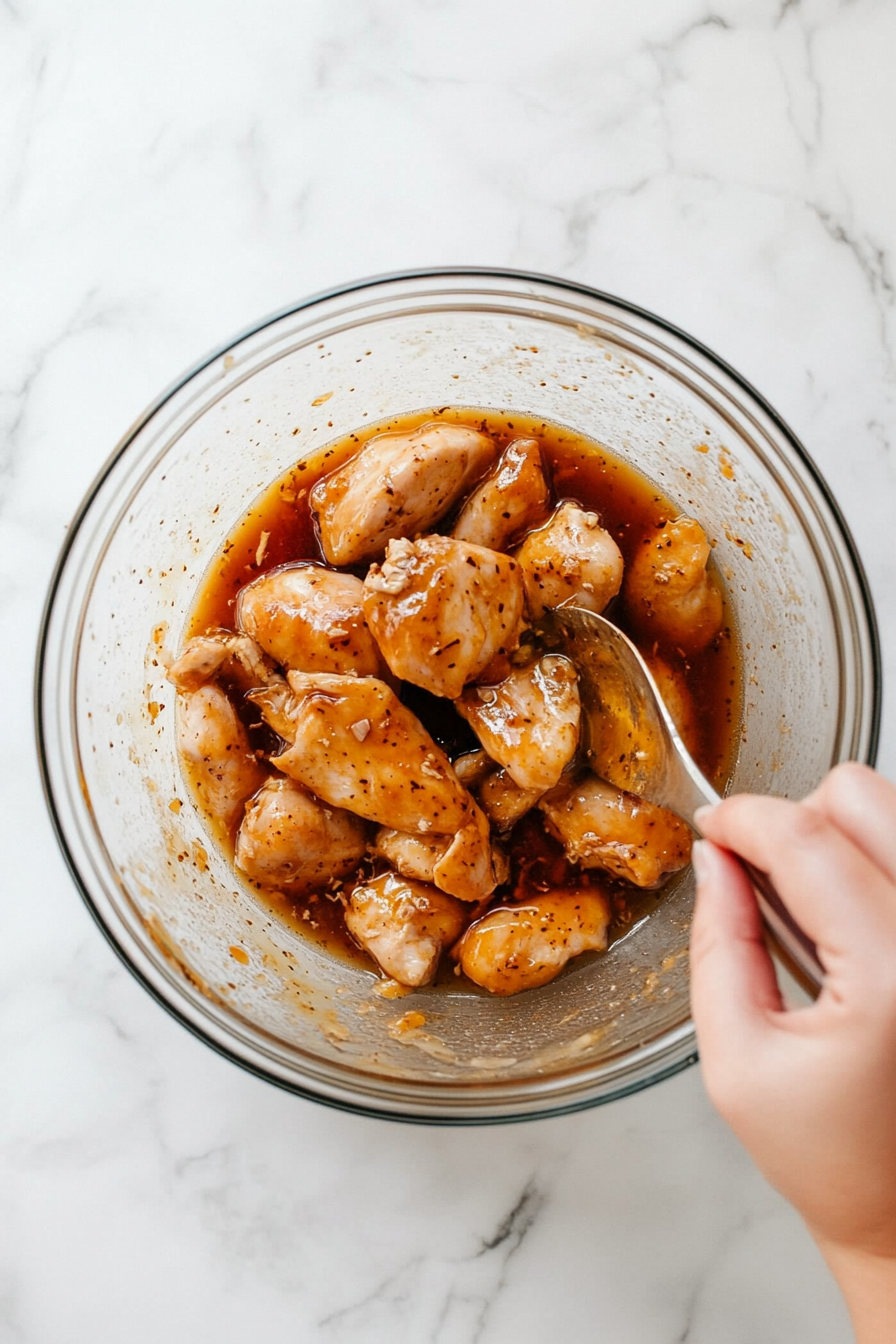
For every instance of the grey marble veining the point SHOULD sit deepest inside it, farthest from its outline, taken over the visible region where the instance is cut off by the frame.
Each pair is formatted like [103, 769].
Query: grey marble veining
[171, 172]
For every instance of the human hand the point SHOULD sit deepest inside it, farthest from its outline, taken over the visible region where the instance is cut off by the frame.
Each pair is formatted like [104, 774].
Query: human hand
[811, 1093]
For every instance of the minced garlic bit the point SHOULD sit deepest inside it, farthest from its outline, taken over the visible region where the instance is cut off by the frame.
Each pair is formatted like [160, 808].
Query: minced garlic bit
[391, 579]
[262, 547]
[360, 729]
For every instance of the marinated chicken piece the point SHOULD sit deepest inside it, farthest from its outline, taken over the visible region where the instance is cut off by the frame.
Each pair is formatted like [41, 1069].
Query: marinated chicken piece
[600, 826]
[355, 745]
[677, 699]
[467, 869]
[668, 591]
[442, 610]
[398, 485]
[220, 654]
[410, 855]
[423, 857]
[529, 723]
[404, 925]
[278, 705]
[512, 498]
[309, 619]
[289, 837]
[505, 803]
[524, 946]
[571, 560]
[215, 748]
[473, 767]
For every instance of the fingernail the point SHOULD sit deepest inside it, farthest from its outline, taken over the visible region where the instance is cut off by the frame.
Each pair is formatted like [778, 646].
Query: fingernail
[703, 812]
[700, 859]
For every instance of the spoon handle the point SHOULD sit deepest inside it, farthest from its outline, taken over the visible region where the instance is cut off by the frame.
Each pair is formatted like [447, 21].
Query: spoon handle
[688, 789]
[800, 952]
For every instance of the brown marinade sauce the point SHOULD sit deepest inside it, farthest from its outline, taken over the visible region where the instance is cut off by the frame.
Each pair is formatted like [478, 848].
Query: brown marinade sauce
[630, 507]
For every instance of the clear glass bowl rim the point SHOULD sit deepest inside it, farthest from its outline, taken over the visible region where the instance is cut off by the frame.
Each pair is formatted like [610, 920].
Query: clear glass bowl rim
[686, 1054]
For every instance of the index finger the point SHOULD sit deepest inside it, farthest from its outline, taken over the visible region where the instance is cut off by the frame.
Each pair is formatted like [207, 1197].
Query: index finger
[831, 887]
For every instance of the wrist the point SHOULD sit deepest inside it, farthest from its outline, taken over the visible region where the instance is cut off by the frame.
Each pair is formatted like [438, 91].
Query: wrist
[867, 1281]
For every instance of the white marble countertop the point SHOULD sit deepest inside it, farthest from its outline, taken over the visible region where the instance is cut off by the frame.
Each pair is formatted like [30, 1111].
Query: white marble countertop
[170, 172]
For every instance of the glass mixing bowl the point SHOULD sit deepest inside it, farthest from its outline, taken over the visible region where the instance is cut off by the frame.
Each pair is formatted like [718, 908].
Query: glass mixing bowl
[167, 900]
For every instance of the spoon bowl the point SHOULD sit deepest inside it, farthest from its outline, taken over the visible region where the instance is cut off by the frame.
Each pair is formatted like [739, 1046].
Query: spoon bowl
[631, 739]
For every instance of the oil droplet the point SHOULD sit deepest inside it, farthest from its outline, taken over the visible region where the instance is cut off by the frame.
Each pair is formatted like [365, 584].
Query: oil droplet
[241, 955]
[410, 1022]
[390, 989]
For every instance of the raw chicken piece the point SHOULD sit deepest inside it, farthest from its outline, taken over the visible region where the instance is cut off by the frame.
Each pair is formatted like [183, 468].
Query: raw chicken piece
[512, 498]
[668, 590]
[505, 803]
[214, 747]
[473, 767]
[354, 744]
[309, 619]
[600, 826]
[442, 610]
[571, 560]
[220, 654]
[428, 858]
[529, 723]
[410, 855]
[289, 837]
[467, 868]
[404, 925]
[524, 946]
[398, 485]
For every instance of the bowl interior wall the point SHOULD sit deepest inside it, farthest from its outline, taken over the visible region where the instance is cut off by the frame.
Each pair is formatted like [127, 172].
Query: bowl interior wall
[196, 466]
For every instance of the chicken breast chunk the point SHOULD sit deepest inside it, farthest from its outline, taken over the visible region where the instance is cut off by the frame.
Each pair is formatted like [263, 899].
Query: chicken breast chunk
[424, 857]
[528, 723]
[410, 855]
[223, 655]
[398, 485]
[404, 925]
[524, 946]
[355, 745]
[600, 826]
[668, 591]
[473, 767]
[214, 747]
[512, 498]
[503, 802]
[442, 610]
[309, 619]
[571, 560]
[287, 836]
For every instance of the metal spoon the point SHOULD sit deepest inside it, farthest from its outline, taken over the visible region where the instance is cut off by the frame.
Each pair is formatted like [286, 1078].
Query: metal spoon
[632, 741]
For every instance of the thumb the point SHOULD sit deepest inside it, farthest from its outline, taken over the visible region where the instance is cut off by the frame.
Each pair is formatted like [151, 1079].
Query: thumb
[733, 983]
